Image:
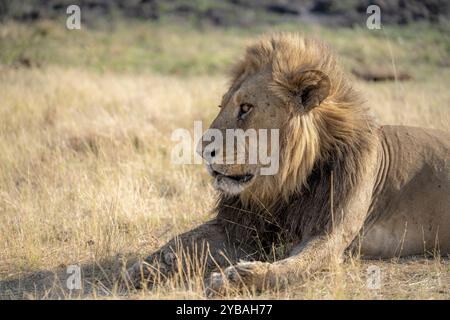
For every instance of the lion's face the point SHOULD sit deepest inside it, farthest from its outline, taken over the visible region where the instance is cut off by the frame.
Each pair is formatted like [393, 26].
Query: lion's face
[264, 116]
[255, 110]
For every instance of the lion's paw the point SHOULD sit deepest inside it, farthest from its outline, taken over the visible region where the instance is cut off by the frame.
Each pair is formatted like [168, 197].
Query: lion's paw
[244, 274]
[146, 273]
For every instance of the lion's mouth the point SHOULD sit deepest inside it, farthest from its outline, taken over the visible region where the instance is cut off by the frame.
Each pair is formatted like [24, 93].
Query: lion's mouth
[243, 178]
[231, 184]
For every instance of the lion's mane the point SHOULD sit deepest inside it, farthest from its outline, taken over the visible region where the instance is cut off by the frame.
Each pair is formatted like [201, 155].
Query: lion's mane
[321, 152]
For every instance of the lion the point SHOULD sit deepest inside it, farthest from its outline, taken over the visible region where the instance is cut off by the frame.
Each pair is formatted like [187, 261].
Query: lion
[344, 184]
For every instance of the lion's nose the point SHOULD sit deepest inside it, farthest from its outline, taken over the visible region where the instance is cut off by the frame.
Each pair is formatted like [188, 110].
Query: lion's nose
[206, 151]
[209, 155]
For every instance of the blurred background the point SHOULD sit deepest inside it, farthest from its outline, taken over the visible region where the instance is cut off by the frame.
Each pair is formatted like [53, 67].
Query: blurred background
[200, 36]
[86, 118]
[238, 13]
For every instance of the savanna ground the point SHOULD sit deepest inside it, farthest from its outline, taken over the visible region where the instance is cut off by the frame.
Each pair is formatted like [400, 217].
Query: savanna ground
[86, 118]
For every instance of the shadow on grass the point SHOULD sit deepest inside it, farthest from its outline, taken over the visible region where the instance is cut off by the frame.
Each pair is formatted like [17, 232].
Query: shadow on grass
[100, 279]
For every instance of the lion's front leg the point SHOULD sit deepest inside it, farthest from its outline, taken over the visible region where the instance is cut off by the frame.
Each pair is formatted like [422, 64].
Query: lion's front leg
[206, 245]
[261, 275]
[305, 259]
[313, 254]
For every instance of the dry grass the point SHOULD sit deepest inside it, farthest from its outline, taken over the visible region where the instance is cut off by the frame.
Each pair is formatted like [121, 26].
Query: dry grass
[85, 165]
[86, 178]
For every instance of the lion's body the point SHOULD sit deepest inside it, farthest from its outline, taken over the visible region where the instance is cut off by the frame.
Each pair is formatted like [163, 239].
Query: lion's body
[344, 182]
[410, 211]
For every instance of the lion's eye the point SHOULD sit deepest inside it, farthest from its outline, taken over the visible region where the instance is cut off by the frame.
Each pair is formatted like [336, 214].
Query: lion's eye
[244, 110]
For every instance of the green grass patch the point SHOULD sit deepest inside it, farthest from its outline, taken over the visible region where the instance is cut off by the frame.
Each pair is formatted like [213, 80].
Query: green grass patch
[190, 49]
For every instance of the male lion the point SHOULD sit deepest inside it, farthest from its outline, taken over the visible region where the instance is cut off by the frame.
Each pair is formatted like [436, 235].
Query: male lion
[344, 182]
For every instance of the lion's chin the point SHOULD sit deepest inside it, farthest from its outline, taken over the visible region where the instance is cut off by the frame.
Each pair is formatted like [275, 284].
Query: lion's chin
[231, 185]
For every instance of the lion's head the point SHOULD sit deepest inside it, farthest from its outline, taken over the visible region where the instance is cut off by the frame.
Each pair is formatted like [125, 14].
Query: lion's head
[290, 83]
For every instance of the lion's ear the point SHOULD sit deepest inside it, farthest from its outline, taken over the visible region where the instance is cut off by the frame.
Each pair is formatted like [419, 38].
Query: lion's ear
[311, 88]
